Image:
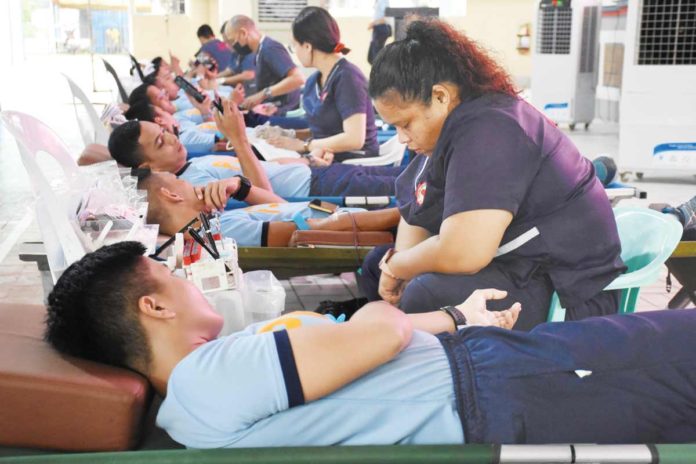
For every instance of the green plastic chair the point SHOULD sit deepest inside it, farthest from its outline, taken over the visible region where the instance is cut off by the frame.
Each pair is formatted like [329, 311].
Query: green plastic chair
[298, 113]
[648, 238]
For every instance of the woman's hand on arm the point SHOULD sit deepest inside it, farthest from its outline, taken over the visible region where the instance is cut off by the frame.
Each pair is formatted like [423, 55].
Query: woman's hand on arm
[390, 288]
[407, 236]
[373, 336]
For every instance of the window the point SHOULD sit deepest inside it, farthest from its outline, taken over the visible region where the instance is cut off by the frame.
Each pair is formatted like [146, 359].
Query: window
[161, 7]
[613, 64]
[554, 29]
[279, 11]
[667, 32]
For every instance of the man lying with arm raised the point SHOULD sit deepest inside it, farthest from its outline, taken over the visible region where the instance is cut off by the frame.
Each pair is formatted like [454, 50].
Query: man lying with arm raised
[270, 221]
[146, 145]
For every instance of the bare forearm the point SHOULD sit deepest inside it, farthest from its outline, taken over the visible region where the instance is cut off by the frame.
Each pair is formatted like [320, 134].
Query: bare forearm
[367, 220]
[430, 256]
[251, 167]
[433, 322]
[241, 77]
[259, 196]
[291, 82]
[409, 236]
[177, 69]
[339, 143]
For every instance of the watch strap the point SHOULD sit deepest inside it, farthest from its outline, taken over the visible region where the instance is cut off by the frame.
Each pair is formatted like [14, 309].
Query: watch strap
[384, 265]
[457, 316]
[306, 145]
[244, 188]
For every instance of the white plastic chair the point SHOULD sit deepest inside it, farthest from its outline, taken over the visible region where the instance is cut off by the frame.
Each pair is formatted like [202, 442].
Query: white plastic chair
[391, 153]
[63, 247]
[91, 127]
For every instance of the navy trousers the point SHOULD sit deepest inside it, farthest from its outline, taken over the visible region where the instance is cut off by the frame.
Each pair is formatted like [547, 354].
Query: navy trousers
[431, 291]
[612, 379]
[345, 179]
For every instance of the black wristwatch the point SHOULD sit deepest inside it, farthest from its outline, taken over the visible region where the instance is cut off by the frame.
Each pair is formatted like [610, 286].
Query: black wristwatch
[457, 316]
[244, 188]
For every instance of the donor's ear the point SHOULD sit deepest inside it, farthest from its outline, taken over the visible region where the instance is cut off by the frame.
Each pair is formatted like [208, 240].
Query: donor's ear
[148, 305]
[171, 196]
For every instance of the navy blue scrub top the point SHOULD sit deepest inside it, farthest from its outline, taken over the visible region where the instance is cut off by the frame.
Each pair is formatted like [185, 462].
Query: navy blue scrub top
[343, 95]
[220, 51]
[273, 63]
[241, 63]
[498, 152]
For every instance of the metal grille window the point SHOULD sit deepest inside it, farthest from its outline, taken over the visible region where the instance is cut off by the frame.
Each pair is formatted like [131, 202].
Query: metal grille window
[177, 7]
[588, 48]
[667, 32]
[279, 11]
[553, 30]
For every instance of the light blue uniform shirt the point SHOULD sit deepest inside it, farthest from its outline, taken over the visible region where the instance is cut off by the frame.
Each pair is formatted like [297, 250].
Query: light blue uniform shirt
[245, 225]
[196, 138]
[192, 115]
[287, 180]
[237, 391]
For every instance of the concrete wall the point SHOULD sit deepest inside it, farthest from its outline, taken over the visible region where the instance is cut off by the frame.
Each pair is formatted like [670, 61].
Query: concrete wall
[11, 49]
[493, 23]
[155, 35]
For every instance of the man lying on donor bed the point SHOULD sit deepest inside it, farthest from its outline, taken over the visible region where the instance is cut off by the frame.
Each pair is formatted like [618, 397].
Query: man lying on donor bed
[270, 221]
[449, 376]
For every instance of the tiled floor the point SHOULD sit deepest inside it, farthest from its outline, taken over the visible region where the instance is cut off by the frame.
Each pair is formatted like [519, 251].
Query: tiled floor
[21, 282]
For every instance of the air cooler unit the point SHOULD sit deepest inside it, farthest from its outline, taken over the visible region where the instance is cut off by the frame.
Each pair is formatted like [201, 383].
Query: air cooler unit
[565, 60]
[657, 130]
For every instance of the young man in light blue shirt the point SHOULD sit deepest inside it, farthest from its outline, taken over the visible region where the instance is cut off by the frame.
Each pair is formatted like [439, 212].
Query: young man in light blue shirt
[199, 139]
[269, 221]
[382, 377]
[145, 145]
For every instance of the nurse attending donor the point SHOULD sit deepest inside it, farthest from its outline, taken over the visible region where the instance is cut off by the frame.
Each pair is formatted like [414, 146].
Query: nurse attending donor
[499, 197]
[278, 80]
[335, 99]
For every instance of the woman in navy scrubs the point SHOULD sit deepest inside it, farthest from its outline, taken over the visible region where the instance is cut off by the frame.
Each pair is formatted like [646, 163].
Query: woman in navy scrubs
[498, 198]
[335, 99]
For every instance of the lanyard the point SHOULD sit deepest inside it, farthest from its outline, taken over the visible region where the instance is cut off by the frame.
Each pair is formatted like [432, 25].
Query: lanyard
[258, 52]
[415, 182]
[321, 96]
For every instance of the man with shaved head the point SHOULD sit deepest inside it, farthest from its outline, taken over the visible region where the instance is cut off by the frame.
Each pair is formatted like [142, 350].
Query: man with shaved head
[278, 80]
